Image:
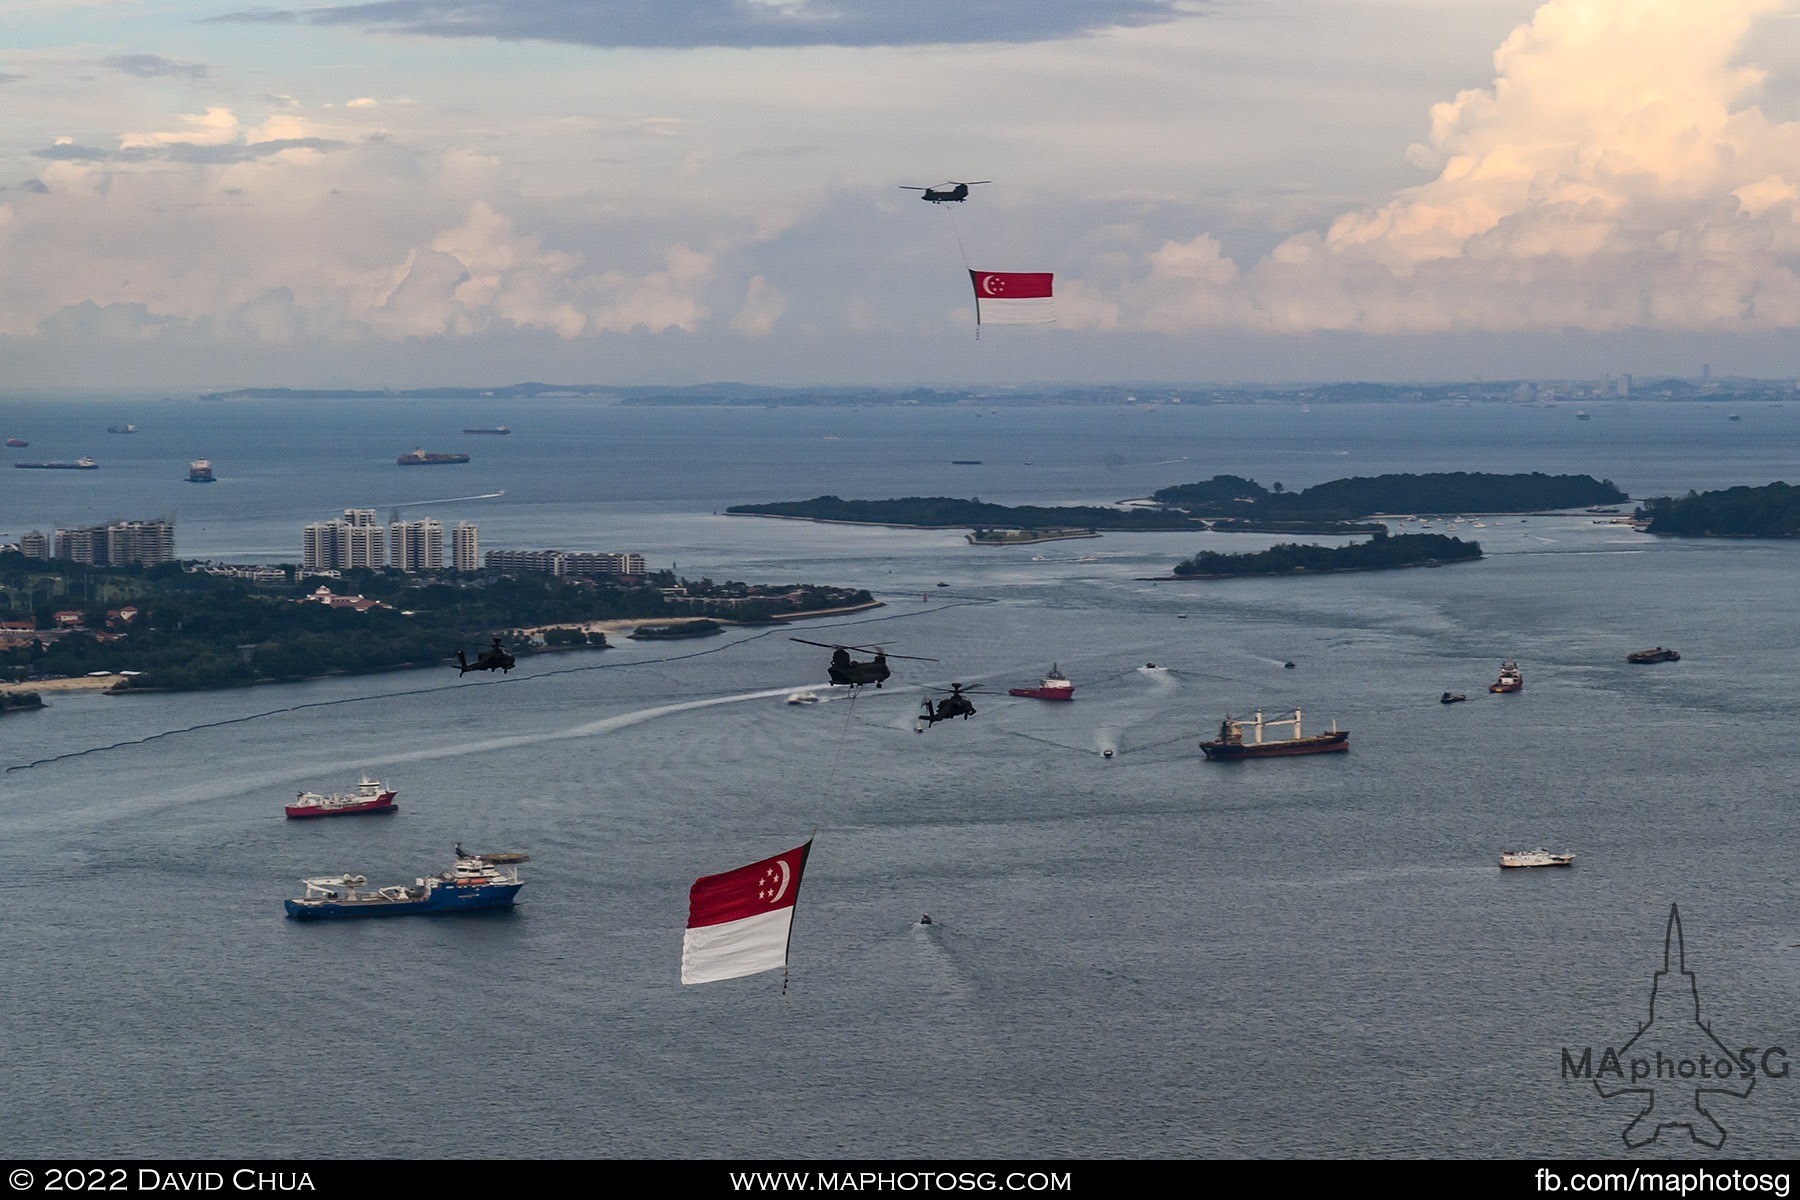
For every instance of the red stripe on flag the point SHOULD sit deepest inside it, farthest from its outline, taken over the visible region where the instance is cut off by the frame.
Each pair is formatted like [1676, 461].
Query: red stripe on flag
[750, 891]
[1011, 285]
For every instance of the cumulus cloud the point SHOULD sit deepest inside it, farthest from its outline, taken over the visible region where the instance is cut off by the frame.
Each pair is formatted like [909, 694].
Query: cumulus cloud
[630, 23]
[763, 306]
[1615, 175]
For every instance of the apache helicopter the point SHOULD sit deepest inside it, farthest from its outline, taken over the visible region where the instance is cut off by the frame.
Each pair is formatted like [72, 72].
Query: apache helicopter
[945, 193]
[956, 704]
[846, 670]
[492, 659]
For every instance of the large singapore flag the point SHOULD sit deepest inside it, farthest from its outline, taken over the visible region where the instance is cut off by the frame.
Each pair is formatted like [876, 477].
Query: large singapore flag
[738, 922]
[1013, 297]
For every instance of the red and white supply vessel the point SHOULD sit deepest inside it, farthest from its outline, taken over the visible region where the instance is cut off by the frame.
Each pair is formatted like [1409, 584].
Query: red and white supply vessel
[369, 797]
[1056, 686]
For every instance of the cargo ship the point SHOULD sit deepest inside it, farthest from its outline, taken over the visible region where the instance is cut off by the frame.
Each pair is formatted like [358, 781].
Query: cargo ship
[477, 882]
[1660, 654]
[369, 797]
[200, 471]
[121, 429]
[494, 429]
[418, 458]
[84, 463]
[1230, 745]
[1510, 680]
[16, 442]
[1056, 686]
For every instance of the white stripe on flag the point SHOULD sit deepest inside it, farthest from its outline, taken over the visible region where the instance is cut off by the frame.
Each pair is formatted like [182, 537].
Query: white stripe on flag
[1038, 311]
[744, 947]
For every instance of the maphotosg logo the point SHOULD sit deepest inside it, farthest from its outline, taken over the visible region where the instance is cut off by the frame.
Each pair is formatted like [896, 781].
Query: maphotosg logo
[1675, 1063]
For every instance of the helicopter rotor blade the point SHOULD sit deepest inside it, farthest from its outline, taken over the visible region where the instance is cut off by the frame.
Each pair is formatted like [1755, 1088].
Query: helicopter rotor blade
[859, 649]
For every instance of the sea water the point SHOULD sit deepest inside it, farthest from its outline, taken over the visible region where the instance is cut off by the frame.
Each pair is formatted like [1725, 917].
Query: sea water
[1138, 956]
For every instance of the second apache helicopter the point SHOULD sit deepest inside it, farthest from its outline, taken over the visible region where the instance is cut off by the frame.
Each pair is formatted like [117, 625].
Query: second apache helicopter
[494, 658]
[846, 670]
[955, 704]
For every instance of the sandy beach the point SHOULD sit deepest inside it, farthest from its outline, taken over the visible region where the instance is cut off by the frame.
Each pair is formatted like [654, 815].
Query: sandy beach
[80, 683]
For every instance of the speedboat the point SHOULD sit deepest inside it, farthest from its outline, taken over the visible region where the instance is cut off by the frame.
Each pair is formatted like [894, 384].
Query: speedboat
[1535, 858]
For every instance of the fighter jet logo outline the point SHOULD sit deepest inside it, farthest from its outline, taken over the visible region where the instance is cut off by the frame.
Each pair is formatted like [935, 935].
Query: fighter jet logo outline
[1650, 1122]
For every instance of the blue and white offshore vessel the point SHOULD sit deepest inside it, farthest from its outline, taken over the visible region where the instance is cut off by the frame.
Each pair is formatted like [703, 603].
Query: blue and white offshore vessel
[476, 882]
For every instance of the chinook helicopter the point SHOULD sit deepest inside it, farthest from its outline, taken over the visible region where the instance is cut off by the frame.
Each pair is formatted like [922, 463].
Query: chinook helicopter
[944, 193]
[494, 658]
[845, 670]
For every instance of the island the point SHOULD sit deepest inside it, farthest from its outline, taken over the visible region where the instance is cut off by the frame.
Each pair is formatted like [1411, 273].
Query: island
[17, 702]
[1223, 504]
[1377, 554]
[1771, 511]
[183, 627]
[1024, 537]
[1448, 492]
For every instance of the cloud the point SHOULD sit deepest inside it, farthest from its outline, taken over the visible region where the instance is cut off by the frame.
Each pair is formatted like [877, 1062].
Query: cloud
[742, 23]
[154, 66]
[763, 306]
[1614, 176]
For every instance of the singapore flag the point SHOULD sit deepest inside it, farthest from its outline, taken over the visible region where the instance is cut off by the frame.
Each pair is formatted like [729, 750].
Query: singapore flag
[1013, 297]
[739, 921]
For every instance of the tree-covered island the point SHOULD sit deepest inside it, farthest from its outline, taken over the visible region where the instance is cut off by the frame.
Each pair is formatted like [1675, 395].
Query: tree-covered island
[1376, 554]
[1771, 511]
[1224, 504]
[183, 628]
[1449, 492]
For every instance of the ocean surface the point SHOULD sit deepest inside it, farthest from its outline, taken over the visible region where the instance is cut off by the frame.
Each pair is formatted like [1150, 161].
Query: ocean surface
[1146, 956]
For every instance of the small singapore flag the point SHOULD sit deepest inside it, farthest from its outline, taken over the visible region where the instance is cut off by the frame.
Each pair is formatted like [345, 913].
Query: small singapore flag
[1013, 297]
[739, 921]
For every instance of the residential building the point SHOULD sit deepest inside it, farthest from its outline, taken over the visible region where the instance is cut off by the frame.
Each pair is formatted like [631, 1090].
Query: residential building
[465, 547]
[418, 545]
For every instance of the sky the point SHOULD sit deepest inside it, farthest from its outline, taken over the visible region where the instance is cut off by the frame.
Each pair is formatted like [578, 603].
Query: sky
[208, 194]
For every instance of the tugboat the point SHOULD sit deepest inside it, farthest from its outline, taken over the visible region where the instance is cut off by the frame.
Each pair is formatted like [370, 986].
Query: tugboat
[369, 797]
[1230, 745]
[16, 442]
[1660, 654]
[476, 882]
[1452, 698]
[1056, 686]
[1510, 680]
[1535, 858]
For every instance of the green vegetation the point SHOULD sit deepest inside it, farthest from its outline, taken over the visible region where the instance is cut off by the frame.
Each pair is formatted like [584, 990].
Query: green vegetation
[1227, 503]
[1376, 554]
[1347, 499]
[196, 630]
[1771, 511]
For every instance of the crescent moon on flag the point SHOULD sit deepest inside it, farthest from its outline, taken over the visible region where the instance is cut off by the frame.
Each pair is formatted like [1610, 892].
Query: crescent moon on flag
[993, 285]
[786, 875]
